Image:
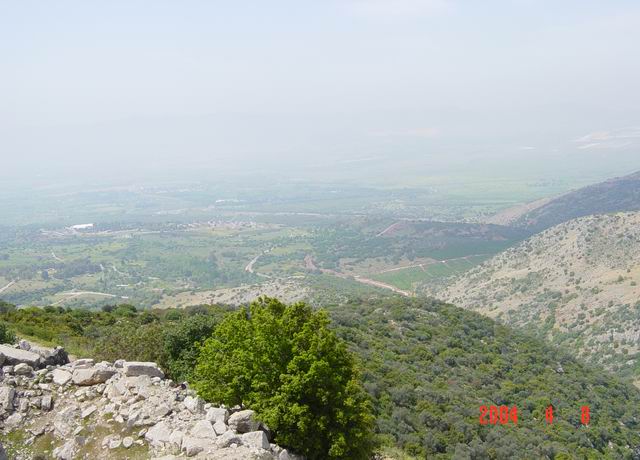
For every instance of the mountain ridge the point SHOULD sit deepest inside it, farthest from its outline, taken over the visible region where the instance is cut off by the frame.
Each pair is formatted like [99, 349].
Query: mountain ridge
[613, 195]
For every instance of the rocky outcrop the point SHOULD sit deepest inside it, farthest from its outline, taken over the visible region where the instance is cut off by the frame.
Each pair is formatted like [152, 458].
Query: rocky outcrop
[36, 357]
[10, 356]
[95, 375]
[135, 369]
[243, 421]
[83, 409]
[52, 357]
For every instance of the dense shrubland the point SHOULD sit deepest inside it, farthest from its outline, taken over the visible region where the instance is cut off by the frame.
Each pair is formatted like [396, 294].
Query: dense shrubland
[426, 366]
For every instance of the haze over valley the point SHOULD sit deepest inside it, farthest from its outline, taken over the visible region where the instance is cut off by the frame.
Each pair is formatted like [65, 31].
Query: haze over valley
[338, 230]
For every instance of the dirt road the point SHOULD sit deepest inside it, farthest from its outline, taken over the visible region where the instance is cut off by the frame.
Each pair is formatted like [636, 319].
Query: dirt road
[7, 286]
[311, 266]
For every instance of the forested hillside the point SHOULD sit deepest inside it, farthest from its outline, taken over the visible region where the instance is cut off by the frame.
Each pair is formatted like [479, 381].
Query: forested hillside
[576, 284]
[427, 366]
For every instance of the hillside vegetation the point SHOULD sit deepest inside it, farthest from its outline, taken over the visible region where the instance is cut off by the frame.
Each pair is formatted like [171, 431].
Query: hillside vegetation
[427, 366]
[576, 283]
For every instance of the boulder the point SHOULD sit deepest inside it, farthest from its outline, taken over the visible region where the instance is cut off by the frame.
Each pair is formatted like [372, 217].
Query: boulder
[243, 421]
[158, 434]
[203, 429]
[3, 453]
[127, 442]
[219, 427]
[92, 375]
[52, 356]
[135, 368]
[227, 439]
[256, 439]
[23, 369]
[147, 414]
[176, 438]
[13, 421]
[217, 414]
[24, 345]
[13, 356]
[6, 398]
[46, 404]
[194, 404]
[61, 377]
[192, 446]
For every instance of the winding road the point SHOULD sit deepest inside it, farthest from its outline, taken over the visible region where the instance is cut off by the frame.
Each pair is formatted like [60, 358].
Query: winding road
[249, 268]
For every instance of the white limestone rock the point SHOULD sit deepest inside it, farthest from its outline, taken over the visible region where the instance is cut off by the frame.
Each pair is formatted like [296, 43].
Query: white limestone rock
[61, 376]
[203, 429]
[194, 404]
[219, 427]
[256, 439]
[14, 356]
[158, 434]
[217, 414]
[244, 421]
[7, 394]
[92, 375]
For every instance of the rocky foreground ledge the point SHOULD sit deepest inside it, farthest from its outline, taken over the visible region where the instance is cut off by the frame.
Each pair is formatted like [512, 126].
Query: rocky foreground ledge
[53, 408]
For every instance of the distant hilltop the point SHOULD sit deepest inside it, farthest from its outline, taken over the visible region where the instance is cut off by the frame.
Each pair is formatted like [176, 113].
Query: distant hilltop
[613, 195]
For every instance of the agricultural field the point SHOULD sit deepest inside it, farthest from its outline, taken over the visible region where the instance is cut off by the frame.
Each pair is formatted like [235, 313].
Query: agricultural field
[187, 243]
[158, 265]
[140, 265]
[412, 277]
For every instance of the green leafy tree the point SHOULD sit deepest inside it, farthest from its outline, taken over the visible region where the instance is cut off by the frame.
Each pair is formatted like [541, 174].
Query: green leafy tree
[180, 343]
[285, 363]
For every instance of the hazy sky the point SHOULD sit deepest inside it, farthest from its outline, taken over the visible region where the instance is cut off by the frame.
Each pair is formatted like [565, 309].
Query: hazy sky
[108, 86]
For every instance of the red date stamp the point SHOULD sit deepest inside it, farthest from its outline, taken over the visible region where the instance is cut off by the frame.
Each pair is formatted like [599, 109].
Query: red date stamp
[502, 415]
[493, 415]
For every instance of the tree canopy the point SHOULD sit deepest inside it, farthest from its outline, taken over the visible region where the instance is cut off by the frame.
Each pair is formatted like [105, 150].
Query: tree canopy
[284, 362]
